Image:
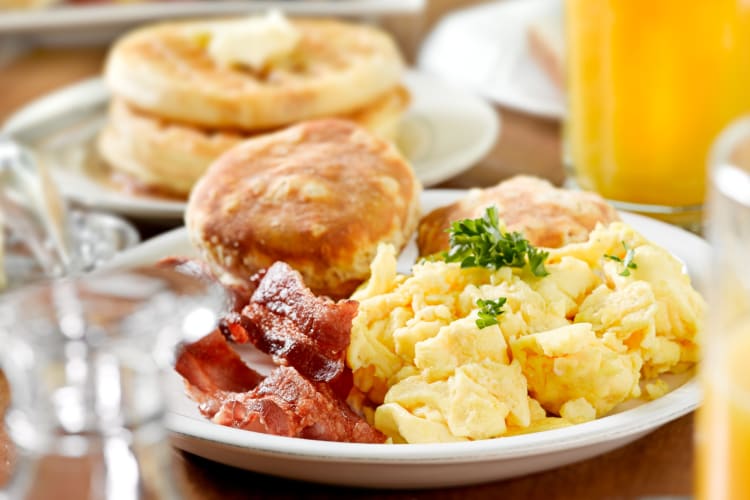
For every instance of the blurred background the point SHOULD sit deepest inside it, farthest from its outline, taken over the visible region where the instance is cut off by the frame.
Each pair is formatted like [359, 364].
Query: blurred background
[486, 51]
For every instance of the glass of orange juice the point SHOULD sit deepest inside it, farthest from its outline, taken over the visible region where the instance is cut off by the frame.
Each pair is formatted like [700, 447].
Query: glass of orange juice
[723, 423]
[650, 85]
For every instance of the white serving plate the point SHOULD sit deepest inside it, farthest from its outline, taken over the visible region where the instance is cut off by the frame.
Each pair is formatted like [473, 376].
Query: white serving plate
[485, 49]
[444, 132]
[103, 20]
[427, 465]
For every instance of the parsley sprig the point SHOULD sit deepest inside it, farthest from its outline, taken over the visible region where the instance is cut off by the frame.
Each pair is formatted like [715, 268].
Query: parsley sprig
[481, 243]
[627, 262]
[489, 310]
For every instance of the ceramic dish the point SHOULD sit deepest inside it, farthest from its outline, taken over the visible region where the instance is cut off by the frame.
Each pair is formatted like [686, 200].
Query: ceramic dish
[500, 66]
[101, 21]
[444, 132]
[428, 465]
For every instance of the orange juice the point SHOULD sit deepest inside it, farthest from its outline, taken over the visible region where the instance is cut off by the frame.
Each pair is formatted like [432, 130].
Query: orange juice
[723, 425]
[650, 85]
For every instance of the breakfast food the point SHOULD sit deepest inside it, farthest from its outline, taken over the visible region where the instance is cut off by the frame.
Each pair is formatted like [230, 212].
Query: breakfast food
[334, 67]
[495, 337]
[173, 156]
[300, 397]
[320, 196]
[547, 216]
[558, 345]
[184, 92]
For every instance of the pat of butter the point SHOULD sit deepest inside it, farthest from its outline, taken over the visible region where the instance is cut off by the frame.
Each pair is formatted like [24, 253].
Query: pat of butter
[253, 41]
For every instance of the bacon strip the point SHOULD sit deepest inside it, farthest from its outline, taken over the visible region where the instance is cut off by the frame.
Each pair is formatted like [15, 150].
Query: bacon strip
[285, 319]
[212, 368]
[307, 399]
[287, 404]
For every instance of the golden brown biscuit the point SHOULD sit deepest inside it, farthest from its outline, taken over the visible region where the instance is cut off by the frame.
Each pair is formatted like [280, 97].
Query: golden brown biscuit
[170, 157]
[320, 196]
[547, 216]
[336, 68]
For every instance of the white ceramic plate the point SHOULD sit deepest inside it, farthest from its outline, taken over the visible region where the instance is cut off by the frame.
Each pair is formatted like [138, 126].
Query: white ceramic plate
[485, 49]
[426, 465]
[72, 22]
[444, 132]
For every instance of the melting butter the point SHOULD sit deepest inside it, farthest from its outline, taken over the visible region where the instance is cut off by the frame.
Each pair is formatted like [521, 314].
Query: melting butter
[254, 41]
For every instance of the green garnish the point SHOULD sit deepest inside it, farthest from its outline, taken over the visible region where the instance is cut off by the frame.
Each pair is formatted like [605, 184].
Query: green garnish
[489, 311]
[627, 262]
[481, 243]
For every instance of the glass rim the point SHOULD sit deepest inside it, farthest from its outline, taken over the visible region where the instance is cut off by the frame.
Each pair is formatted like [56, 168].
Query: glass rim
[725, 175]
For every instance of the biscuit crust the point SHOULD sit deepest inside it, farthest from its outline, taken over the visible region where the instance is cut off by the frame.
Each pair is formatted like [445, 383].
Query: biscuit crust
[547, 216]
[320, 196]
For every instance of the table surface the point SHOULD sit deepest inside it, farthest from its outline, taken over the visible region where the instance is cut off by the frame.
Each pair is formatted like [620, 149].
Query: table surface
[659, 464]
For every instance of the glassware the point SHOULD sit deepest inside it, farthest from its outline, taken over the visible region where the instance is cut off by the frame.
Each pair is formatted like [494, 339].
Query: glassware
[45, 239]
[82, 356]
[33, 207]
[98, 237]
[650, 85]
[723, 423]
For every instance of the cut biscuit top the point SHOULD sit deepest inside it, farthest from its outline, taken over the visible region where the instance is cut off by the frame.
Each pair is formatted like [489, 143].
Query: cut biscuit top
[320, 196]
[547, 216]
[333, 68]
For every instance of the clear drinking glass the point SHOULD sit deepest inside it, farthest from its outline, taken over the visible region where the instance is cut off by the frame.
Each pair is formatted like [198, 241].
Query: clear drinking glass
[39, 236]
[723, 421]
[83, 357]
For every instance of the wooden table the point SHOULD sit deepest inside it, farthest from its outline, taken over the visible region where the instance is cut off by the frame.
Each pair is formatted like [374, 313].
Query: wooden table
[658, 465]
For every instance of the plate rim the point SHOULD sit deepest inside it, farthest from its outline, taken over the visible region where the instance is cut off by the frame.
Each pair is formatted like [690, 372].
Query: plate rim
[546, 110]
[96, 94]
[62, 18]
[620, 426]
[599, 431]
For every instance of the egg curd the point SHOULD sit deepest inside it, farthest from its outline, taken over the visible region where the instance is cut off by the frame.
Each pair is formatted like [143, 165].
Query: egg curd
[567, 348]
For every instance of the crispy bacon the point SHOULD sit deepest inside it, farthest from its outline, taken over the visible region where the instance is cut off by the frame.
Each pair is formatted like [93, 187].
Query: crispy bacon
[285, 319]
[287, 404]
[212, 368]
[283, 292]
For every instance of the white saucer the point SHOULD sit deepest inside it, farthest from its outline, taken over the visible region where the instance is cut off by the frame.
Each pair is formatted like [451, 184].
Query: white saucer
[485, 49]
[444, 132]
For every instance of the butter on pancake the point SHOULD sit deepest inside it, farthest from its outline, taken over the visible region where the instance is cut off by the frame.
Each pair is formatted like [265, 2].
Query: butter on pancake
[547, 216]
[255, 41]
[319, 196]
[333, 68]
[171, 156]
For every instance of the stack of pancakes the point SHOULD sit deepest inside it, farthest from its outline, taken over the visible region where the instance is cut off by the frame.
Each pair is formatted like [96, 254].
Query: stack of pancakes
[175, 108]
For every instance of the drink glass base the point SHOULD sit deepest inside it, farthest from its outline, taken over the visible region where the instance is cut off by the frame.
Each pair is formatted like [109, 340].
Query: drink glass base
[689, 217]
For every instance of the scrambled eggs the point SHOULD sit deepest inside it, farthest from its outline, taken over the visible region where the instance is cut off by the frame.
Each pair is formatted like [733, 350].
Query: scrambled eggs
[567, 348]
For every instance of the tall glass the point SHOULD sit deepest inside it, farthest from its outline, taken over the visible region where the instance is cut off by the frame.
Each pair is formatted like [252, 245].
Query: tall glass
[650, 85]
[723, 424]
